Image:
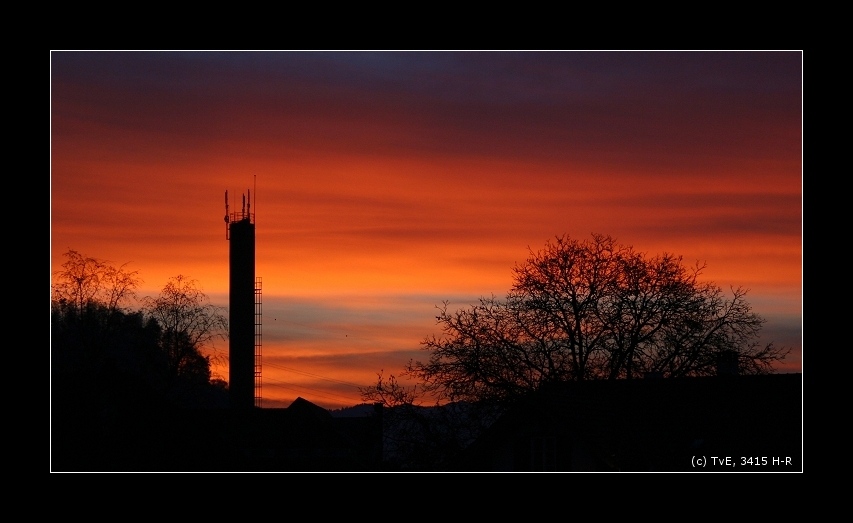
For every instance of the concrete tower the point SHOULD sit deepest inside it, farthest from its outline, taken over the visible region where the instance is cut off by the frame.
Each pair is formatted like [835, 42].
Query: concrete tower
[244, 312]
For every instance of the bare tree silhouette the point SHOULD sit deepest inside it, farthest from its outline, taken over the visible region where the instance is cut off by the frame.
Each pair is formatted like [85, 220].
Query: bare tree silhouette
[191, 325]
[84, 280]
[592, 309]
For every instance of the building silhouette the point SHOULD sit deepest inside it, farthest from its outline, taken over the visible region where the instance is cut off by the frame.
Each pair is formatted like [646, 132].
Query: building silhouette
[244, 312]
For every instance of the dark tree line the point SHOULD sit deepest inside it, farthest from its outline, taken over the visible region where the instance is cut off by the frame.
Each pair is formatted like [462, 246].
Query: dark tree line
[164, 348]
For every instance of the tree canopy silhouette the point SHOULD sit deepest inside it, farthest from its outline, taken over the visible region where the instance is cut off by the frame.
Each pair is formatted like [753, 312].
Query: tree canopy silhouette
[165, 347]
[85, 281]
[191, 325]
[592, 309]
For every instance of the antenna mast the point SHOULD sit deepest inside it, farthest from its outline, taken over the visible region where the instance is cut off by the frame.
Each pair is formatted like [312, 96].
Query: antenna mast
[226, 214]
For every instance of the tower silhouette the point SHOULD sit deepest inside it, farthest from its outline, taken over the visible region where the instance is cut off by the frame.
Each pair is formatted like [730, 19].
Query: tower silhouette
[244, 312]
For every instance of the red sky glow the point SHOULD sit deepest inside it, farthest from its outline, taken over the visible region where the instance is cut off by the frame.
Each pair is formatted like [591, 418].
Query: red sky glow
[387, 182]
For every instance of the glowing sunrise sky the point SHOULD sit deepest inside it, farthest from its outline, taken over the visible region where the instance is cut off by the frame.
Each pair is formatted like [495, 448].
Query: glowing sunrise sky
[387, 182]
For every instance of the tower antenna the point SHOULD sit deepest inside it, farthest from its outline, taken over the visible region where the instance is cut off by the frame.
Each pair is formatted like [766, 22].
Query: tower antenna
[226, 214]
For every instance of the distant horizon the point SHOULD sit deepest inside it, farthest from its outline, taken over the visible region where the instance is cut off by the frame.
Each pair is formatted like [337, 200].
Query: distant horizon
[385, 183]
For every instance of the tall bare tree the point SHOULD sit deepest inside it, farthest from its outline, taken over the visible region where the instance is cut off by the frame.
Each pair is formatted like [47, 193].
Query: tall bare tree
[591, 309]
[190, 323]
[85, 280]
